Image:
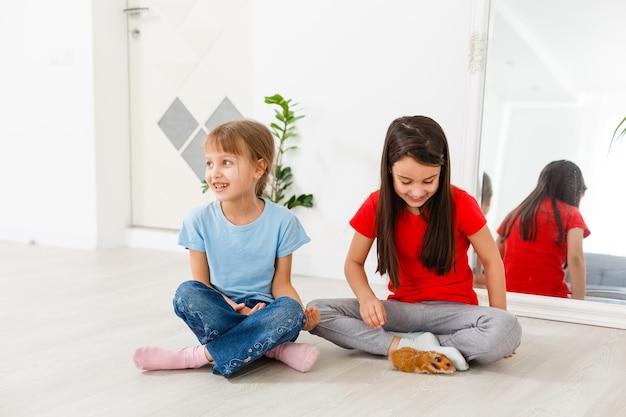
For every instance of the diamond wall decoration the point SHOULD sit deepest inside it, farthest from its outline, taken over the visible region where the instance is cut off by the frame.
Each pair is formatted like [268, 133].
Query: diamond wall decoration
[194, 154]
[225, 112]
[179, 125]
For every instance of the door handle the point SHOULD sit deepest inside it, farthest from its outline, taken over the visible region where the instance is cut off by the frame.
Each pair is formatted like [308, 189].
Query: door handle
[135, 11]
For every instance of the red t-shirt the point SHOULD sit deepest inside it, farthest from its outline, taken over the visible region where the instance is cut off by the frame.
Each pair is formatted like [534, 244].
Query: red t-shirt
[416, 282]
[537, 267]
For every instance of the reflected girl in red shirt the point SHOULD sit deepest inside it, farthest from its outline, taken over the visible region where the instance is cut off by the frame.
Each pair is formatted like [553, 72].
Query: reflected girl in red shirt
[544, 235]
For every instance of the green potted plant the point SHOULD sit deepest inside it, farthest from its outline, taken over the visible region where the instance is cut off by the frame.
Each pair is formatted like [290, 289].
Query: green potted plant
[282, 177]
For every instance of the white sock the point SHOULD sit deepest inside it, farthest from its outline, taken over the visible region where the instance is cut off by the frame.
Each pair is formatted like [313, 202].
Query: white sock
[428, 341]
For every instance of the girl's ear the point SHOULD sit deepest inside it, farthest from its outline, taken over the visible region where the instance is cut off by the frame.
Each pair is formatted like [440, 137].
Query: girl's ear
[261, 166]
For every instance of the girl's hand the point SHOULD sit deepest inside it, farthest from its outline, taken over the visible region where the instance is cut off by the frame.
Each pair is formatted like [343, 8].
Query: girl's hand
[241, 308]
[312, 318]
[373, 313]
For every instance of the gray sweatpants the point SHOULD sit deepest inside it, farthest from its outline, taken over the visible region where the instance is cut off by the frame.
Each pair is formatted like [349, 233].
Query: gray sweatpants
[481, 334]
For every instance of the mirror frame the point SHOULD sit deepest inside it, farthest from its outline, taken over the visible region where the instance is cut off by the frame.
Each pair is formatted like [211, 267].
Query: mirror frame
[526, 305]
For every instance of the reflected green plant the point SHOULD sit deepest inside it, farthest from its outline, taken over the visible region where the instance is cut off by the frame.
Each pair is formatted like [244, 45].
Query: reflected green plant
[617, 134]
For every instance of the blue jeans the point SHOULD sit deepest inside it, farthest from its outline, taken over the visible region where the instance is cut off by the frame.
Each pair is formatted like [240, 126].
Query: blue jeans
[235, 340]
[481, 334]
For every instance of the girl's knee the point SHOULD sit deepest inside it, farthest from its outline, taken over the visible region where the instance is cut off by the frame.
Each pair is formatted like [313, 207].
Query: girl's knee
[288, 315]
[510, 329]
[330, 306]
[516, 334]
[505, 337]
[190, 293]
[188, 288]
[317, 304]
[291, 306]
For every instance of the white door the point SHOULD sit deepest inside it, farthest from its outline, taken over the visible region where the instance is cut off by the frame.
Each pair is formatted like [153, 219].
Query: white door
[190, 69]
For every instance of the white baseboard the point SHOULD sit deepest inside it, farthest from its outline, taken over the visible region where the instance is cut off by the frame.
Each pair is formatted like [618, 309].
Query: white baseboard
[162, 239]
[561, 309]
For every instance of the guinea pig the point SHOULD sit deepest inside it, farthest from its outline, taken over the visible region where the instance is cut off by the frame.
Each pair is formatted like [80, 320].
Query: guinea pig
[408, 359]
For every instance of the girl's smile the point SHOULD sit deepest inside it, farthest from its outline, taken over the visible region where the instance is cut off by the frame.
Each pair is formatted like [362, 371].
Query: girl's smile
[226, 171]
[219, 186]
[414, 182]
[416, 199]
[233, 181]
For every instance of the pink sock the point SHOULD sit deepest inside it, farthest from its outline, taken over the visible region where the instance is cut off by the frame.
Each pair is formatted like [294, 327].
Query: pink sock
[152, 358]
[299, 356]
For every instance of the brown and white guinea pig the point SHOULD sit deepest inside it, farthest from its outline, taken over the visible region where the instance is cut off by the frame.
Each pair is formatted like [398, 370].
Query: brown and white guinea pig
[408, 359]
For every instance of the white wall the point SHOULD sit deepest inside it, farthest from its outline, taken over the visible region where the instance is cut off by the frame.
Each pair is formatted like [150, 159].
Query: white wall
[64, 146]
[47, 147]
[64, 137]
[353, 70]
[111, 122]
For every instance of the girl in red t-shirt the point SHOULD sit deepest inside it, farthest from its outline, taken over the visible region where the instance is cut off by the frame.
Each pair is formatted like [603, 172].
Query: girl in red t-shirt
[544, 235]
[423, 227]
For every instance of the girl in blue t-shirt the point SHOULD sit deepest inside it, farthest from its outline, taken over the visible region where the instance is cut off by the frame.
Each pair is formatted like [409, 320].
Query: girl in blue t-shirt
[241, 304]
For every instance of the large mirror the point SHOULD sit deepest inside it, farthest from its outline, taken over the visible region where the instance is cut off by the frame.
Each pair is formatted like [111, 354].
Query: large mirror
[555, 88]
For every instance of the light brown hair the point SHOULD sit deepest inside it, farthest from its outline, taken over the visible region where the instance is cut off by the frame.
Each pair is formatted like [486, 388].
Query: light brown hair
[247, 138]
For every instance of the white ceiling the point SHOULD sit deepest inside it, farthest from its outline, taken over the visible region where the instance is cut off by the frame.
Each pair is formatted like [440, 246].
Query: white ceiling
[552, 50]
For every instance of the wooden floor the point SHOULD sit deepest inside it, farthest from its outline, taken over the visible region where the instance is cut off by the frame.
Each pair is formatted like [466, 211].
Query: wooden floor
[70, 321]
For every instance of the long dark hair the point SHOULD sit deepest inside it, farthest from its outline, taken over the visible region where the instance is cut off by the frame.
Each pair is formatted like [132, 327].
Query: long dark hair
[424, 140]
[559, 180]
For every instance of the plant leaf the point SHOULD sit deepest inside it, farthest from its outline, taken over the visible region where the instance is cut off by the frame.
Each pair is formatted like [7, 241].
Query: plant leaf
[617, 134]
[304, 200]
[281, 178]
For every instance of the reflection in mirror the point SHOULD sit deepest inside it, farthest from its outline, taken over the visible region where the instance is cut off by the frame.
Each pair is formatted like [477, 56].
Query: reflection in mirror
[555, 89]
[546, 232]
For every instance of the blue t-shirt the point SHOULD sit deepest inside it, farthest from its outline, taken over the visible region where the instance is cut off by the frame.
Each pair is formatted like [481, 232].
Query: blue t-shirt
[241, 258]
